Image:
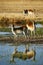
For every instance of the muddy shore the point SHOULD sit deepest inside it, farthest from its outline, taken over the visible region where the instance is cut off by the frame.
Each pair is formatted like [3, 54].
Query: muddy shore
[22, 39]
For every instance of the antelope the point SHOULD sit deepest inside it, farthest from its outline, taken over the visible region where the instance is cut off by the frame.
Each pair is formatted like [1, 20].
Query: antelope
[23, 28]
[17, 29]
[31, 26]
[29, 14]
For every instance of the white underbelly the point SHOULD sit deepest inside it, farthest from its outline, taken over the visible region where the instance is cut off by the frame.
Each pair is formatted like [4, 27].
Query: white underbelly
[18, 31]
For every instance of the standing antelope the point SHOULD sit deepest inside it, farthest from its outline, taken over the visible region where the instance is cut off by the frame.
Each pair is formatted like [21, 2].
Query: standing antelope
[17, 29]
[31, 26]
[24, 28]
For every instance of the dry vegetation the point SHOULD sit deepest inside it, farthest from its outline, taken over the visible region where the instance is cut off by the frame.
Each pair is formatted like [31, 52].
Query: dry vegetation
[10, 9]
[12, 6]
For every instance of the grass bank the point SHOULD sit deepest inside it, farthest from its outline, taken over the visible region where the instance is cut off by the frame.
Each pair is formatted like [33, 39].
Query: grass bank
[39, 31]
[3, 29]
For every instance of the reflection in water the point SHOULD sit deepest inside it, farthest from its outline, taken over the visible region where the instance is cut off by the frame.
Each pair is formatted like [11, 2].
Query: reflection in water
[7, 50]
[24, 55]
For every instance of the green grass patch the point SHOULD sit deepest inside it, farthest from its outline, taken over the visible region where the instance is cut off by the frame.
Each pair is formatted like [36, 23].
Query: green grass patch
[5, 30]
[39, 31]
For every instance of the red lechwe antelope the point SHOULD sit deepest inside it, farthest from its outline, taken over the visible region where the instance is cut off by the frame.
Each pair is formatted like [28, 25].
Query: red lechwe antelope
[24, 28]
[31, 26]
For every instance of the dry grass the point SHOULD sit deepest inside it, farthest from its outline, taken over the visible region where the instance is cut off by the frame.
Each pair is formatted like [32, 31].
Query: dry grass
[9, 7]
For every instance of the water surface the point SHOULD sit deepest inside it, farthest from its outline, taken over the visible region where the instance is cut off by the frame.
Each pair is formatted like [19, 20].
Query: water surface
[7, 49]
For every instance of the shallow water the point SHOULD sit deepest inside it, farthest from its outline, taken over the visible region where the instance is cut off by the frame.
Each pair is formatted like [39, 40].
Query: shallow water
[4, 33]
[7, 49]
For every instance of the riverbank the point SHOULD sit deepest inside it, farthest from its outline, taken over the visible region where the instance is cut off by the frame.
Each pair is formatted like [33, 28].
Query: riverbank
[7, 36]
[38, 31]
[24, 40]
